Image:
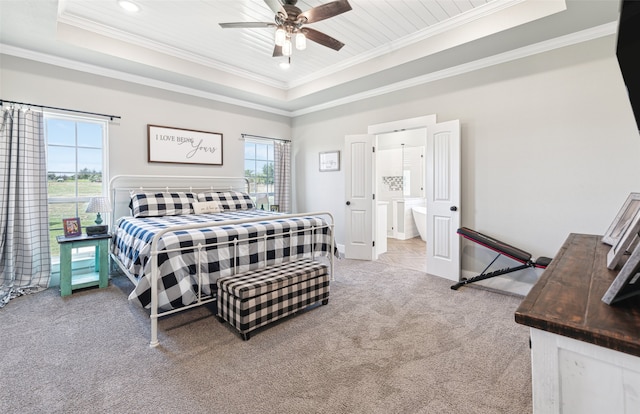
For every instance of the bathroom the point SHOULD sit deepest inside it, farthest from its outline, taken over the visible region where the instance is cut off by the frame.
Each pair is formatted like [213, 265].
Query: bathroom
[400, 176]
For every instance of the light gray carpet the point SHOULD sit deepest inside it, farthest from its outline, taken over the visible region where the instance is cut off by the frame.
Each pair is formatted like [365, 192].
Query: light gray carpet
[390, 340]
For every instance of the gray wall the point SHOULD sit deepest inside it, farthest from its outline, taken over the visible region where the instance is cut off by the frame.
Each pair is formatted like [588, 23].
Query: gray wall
[28, 81]
[549, 144]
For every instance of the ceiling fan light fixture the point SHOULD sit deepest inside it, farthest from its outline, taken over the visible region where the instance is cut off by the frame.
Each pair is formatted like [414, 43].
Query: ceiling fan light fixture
[129, 6]
[287, 47]
[285, 64]
[301, 41]
[280, 36]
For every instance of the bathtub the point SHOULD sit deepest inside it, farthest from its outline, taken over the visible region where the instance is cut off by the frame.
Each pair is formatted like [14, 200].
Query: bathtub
[420, 217]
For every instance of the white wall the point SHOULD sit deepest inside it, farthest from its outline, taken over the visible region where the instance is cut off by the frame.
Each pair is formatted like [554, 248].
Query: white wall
[27, 81]
[549, 144]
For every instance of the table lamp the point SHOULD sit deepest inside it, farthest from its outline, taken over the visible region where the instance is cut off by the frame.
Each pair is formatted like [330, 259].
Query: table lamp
[98, 205]
[261, 200]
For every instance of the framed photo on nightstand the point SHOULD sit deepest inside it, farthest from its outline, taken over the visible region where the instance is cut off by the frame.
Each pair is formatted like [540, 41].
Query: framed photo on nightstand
[72, 227]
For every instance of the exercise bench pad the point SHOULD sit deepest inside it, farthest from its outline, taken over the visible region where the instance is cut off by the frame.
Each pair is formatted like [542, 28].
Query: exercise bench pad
[495, 245]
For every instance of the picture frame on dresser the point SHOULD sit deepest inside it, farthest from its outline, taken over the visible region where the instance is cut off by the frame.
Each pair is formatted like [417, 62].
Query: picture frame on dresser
[625, 242]
[627, 282]
[622, 220]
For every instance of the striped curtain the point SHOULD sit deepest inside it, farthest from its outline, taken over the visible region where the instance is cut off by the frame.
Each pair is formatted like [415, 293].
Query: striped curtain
[282, 172]
[25, 260]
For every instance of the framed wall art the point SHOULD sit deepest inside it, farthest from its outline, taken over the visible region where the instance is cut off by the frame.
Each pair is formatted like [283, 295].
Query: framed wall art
[622, 220]
[183, 146]
[72, 227]
[330, 161]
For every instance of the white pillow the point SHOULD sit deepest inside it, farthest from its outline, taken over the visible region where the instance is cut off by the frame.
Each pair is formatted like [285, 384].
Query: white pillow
[206, 207]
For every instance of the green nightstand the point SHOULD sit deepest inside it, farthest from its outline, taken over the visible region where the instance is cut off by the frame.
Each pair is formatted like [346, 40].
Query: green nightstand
[100, 277]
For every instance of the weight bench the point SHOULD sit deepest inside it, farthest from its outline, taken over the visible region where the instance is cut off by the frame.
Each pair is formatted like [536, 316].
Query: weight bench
[503, 249]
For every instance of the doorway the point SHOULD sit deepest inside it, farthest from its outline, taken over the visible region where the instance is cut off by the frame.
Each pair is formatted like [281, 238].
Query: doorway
[400, 193]
[442, 191]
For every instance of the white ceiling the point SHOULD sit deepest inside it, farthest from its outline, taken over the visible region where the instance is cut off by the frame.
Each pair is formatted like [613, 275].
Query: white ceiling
[389, 44]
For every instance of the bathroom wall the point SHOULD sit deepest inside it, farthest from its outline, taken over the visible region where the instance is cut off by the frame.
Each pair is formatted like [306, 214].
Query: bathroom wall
[400, 169]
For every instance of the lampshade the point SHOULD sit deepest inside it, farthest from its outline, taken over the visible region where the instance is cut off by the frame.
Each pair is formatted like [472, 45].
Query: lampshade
[280, 36]
[262, 199]
[301, 41]
[287, 47]
[99, 205]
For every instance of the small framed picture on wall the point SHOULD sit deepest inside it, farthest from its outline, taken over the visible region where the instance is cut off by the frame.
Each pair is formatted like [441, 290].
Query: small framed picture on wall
[330, 161]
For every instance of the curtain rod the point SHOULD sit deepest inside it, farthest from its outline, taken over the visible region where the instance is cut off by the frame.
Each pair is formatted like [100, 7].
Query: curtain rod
[261, 137]
[111, 117]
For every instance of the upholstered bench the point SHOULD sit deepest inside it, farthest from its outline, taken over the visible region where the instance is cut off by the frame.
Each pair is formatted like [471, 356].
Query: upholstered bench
[255, 298]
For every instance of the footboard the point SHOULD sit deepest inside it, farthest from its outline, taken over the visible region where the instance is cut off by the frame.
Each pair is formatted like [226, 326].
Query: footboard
[174, 257]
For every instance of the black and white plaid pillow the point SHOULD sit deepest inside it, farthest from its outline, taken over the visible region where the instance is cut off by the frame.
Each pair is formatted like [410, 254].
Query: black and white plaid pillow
[161, 204]
[229, 200]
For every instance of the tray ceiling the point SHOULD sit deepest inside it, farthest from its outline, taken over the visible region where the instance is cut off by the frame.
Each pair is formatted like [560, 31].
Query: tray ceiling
[179, 45]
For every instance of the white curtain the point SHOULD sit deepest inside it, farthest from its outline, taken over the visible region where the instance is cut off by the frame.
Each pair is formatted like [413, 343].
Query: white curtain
[282, 172]
[25, 259]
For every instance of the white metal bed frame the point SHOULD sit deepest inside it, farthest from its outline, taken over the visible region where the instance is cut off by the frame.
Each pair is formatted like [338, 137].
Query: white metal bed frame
[121, 188]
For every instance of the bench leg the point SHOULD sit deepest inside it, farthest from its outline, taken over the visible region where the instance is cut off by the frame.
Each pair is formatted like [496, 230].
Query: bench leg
[245, 336]
[483, 276]
[325, 301]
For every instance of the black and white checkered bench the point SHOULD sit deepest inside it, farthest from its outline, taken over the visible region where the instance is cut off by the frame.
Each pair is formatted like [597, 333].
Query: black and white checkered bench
[252, 299]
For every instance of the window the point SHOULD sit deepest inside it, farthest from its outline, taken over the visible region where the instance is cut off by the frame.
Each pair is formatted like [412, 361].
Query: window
[76, 169]
[259, 169]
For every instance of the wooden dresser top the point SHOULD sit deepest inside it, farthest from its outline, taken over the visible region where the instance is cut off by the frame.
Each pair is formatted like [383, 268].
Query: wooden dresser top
[566, 300]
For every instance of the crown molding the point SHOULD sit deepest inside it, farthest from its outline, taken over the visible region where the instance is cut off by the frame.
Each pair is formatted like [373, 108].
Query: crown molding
[546, 46]
[419, 36]
[127, 77]
[563, 41]
[110, 32]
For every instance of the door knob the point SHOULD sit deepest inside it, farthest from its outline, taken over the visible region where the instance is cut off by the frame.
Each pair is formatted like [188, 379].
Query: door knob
[453, 208]
[348, 203]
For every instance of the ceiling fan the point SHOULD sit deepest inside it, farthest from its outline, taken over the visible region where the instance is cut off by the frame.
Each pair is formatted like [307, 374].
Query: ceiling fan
[290, 24]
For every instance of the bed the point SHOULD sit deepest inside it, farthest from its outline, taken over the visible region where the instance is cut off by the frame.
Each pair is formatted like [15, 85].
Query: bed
[174, 256]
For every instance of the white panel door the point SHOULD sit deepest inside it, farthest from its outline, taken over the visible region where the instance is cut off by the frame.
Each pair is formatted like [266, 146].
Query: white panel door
[443, 200]
[359, 217]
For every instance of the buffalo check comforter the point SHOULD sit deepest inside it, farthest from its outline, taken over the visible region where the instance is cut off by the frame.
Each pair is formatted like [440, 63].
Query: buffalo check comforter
[179, 259]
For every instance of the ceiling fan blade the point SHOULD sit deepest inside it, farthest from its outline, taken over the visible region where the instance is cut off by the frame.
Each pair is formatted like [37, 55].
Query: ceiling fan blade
[321, 38]
[277, 51]
[246, 25]
[325, 11]
[276, 7]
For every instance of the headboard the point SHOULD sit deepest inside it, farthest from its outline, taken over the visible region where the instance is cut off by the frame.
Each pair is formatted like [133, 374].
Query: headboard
[122, 186]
